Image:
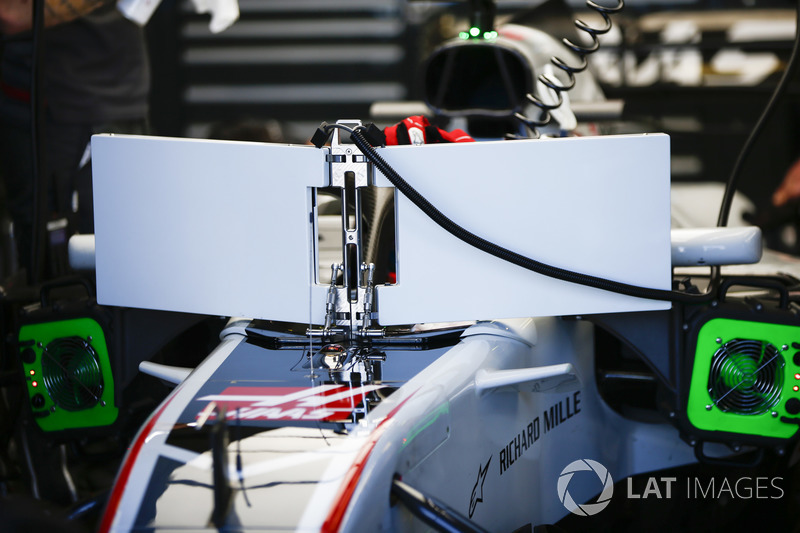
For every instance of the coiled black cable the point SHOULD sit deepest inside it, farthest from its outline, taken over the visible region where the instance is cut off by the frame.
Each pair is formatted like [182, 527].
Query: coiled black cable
[507, 255]
[557, 88]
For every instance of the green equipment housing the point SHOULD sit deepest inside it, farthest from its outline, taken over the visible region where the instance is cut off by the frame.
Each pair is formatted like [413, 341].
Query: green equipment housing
[745, 379]
[68, 374]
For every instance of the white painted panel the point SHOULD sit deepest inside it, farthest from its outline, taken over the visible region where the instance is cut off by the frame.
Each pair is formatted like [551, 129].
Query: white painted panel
[223, 228]
[596, 205]
[212, 227]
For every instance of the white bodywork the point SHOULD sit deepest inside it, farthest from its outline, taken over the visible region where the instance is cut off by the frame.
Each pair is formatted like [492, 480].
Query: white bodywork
[486, 426]
[438, 432]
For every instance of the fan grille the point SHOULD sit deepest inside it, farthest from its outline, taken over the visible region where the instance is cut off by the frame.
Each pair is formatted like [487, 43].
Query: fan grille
[71, 373]
[746, 376]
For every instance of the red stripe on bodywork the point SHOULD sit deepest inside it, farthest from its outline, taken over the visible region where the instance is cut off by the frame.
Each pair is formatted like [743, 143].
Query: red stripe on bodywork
[125, 472]
[353, 475]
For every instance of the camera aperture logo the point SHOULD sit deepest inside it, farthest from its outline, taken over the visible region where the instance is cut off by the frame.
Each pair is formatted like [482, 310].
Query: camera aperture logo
[585, 465]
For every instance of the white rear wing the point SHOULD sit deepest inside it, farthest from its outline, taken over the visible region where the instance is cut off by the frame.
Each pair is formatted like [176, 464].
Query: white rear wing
[227, 228]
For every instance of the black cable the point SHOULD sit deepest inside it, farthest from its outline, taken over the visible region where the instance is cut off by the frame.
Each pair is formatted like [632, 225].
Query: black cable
[507, 255]
[733, 179]
[38, 155]
[566, 275]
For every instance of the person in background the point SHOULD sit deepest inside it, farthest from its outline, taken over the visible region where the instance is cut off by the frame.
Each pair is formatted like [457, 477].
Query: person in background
[95, 79]
[789, 189]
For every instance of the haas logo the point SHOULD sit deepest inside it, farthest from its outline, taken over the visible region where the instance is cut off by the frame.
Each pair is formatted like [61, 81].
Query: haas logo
[327, 402]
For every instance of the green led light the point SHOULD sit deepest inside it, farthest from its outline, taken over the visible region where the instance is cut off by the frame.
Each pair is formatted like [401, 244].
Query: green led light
[474, 31]
[490, 35]
[464, 35]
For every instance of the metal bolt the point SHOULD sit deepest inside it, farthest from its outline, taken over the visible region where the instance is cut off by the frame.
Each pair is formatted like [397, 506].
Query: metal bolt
[709, 407]
[719, 340]
[774, 414]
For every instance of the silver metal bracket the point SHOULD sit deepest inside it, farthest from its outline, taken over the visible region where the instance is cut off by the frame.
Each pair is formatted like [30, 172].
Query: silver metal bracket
[346, 158]
[350, 308]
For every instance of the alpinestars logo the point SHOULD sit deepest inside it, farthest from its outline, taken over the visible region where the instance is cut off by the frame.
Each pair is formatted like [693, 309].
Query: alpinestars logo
[586, 509]
[477, 490]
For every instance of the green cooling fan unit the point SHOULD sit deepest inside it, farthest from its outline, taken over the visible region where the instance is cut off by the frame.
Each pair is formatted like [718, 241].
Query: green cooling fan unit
[745, 379]
[68, 374]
